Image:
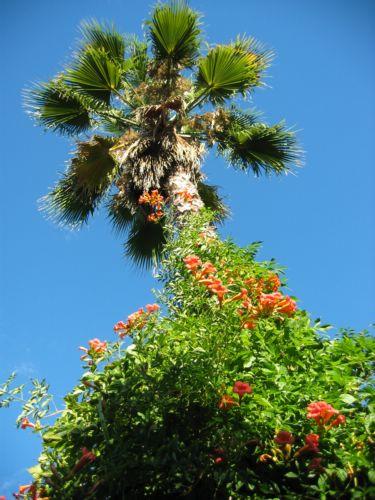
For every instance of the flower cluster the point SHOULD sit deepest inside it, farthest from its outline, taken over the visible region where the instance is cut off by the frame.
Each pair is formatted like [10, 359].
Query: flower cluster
[135, 321]
[259, 296]
[96, 349]
[323, 414]
[155, 202]
[239, 388]
[30, 491]
[204, 273]
[268, 304]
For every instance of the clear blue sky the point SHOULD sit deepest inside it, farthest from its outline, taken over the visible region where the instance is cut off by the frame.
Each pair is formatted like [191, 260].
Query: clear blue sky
[59, 289]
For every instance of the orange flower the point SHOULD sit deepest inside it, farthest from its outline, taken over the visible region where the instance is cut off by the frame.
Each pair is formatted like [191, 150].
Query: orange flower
[240, 296]
[135, 320]
[321, 412]
[97, 346]
[207, 268]
[156, 202]
[338, 421]
[152, 308]
[273, 283]
[284, 437]
[311, 446]
[255, 285]
[86, 458]
[25, 422]
[192, 262]
[227, 402]
[27, 489]
[24, 488]
[312, 441]
[276, 302]
[250, 324]
[220, 290]
[265, 458]
[121, 329]
[242, 388]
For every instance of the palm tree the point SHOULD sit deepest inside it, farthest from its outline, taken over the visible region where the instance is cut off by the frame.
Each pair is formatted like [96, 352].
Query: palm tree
[153, 108]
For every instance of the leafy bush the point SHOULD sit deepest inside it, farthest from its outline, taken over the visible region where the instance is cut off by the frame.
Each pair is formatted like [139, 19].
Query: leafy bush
[210, 400]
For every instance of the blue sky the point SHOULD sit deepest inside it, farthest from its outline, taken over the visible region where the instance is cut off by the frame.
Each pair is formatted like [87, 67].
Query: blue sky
[59, 289]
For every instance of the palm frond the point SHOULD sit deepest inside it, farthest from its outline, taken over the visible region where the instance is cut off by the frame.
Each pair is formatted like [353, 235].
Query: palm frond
[95, 74]
[136, 73]
[145, 242]
[230, 69]
[211, 199]
[174, 32]
[55, 109]
[103, 36]
[80, 190]
[259, 147]
[119, 213]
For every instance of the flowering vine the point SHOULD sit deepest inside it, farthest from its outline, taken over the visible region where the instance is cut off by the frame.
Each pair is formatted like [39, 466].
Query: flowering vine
[155, 202]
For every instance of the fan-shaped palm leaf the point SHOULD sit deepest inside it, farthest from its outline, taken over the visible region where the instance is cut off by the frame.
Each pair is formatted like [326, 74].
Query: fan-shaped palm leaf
[229, 69]
[145, 241]
[260, 148]
[80, 190]
[174, 32]
[56, 109]
[95, 73]
[211, 199]
[101, 36]
[119, 213]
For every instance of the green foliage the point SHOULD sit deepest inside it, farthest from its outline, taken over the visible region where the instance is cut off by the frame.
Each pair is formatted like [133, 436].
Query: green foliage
[82, 187]
[105, 38]
[229, 69]
[145, 241]
[174, 33]
[259, 147]
[56, 109]
[150, 411]
[212, 200]
[94, 72]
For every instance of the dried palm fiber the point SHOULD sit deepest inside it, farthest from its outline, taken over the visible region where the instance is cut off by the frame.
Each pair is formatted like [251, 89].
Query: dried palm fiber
[158, 163]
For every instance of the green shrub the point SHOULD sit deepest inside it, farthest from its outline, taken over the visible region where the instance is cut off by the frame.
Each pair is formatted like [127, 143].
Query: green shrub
[148, 420]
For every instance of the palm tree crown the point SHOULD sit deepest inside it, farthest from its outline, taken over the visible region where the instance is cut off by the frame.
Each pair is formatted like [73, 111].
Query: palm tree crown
[153, 108]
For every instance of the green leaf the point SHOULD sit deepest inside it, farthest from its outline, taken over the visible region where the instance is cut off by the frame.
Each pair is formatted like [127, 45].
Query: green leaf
[145, 242]
[95, 73]
[259, 147]
[291, 475]
[103, 37]
[211, 199]
[174, 32]
[54, 108]
[262, 401]
[371, 476]
[348, 398]
[119, 213]
[227, 70]
[89, 176]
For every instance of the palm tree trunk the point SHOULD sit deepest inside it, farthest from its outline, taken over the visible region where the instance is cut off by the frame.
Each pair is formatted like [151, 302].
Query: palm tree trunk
[183, 192]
